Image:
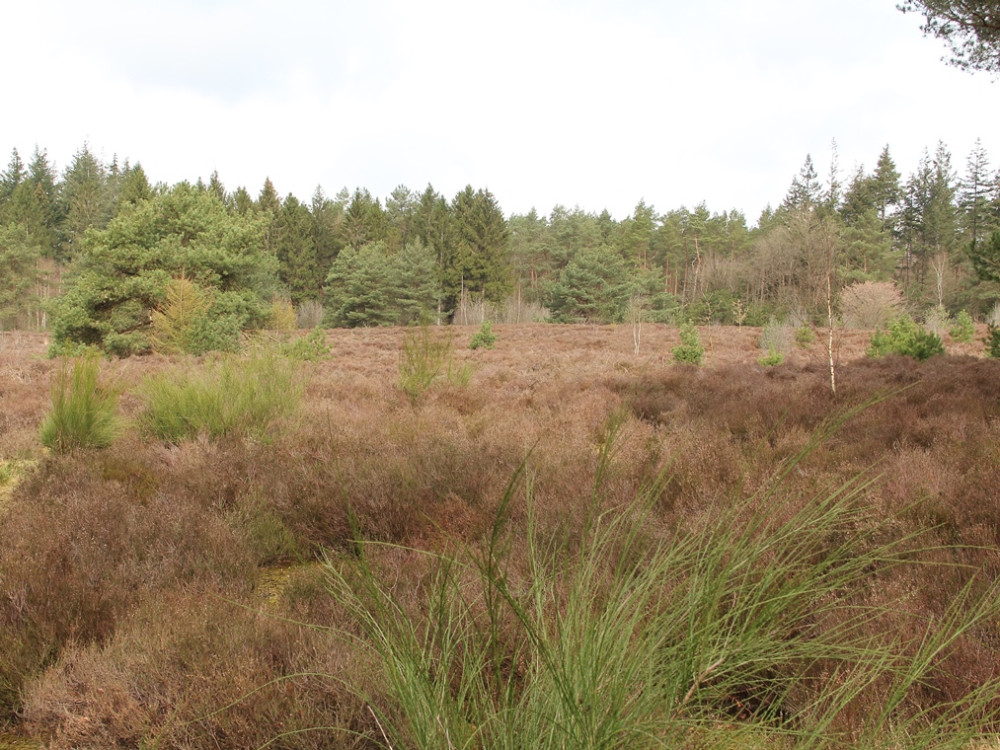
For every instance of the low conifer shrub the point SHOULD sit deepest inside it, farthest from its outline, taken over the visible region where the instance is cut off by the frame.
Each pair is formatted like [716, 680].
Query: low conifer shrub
[484, 337]
[690, 350]
[905, 337]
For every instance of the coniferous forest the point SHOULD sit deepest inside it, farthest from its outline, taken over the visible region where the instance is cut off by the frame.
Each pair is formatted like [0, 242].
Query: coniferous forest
[91, 251]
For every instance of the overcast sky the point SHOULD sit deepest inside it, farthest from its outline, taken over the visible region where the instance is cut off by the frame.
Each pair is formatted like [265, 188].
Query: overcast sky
[595, 103]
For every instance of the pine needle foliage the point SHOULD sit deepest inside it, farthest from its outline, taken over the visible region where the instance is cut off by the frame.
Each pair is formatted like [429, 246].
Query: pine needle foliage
[176, 322]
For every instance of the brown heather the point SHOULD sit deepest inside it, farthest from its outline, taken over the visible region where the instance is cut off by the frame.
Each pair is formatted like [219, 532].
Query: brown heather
[162, 595]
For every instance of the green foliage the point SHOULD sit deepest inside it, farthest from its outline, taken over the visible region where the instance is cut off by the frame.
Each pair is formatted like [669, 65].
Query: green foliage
[969, 29]
[992, 341]
[370, 287]
[19, 256]
[689, 351]
[594, 287]
[773, 358]
[309, 348]
[476, 256]
[84, 411]
[804, 336]
[484, 338]
[231, 397]
[123, 273]
[964, 329]
[183, 324]
[986, 258]
[907, 338]
[425, 358]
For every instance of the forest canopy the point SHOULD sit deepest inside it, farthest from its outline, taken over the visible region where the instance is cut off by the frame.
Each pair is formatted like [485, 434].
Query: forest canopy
[99, 255]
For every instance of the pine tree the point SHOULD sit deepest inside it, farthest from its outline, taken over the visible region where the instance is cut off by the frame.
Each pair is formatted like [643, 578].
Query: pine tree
[135, 188]
[86, 200]
[976, 195]
[886, 189]
[365, 220]
[804, 192]
[11, 177]
[400, 208]
[479, 259]
[292, 243]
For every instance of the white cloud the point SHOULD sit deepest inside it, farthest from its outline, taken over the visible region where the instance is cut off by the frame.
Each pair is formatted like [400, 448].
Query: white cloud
[595, 103]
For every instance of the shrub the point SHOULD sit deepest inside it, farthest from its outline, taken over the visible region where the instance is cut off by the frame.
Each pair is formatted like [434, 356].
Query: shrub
[993, 317]
[690, 350]
[963, 329]
[804, 336]
[907, 338]
[308, 348]
[484, 337]
[309, 314]
[230, 397]
[870, 304]
[84, 411]
[122, 272]
[424, 358]
[992, 341]
[775, 337]
[282, 315]
[772, 358]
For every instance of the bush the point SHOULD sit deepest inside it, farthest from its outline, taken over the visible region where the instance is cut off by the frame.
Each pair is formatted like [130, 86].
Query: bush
[773, 358]
[775, 337]
[83, 413]
[992, 341]
[484, 337]
[308, 348]
[907, 338]
[229, 397]
[690, 350]
[870, 304]
[964, 329]
[804, 336]
[424, 358]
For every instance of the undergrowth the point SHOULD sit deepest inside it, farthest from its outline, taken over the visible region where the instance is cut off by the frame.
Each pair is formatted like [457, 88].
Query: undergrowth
[233, 396]
[750, 629]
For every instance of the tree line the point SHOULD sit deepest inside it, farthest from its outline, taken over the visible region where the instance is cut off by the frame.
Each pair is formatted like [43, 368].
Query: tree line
[91, 253]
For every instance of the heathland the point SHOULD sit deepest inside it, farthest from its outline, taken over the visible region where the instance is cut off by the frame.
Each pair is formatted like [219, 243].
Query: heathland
[556, 542]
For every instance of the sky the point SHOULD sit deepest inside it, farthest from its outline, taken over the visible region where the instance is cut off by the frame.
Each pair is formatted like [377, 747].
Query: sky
[596, 104]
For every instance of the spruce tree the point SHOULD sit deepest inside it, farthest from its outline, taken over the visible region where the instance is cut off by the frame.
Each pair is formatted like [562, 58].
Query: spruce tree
[292, 243]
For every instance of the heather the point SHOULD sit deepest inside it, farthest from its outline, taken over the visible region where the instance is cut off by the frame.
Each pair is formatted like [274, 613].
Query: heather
[574, 546]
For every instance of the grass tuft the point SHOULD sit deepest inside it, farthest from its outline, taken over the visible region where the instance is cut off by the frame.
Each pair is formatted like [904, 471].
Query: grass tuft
[231, 397]
[84, 410]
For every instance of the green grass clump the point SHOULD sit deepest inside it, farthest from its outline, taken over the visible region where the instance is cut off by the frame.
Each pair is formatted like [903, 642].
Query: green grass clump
[689, 351]
[84, 411]
[234, 396]
[905, 337]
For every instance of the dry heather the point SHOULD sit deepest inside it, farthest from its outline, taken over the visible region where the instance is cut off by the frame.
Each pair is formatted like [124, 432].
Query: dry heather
[132, 612]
